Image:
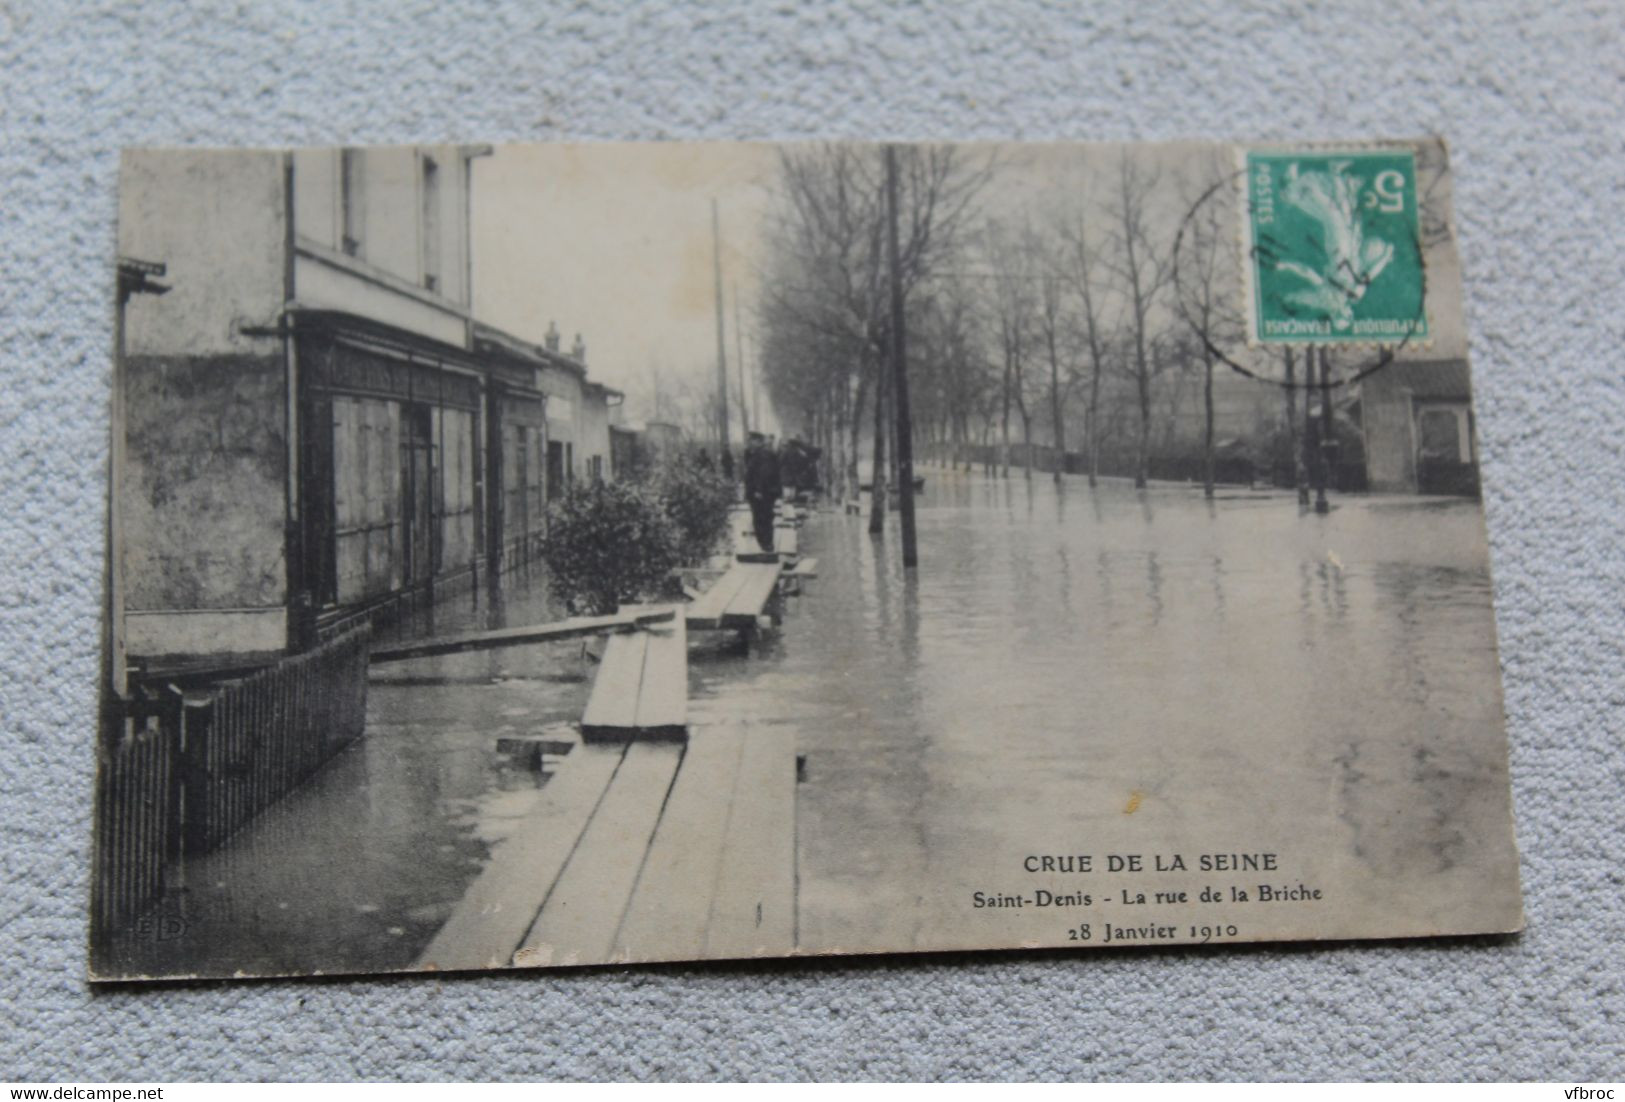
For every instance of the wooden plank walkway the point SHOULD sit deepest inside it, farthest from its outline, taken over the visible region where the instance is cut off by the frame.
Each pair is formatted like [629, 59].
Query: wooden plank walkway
[642, 851]
[705, 614]
[663, 696]
[672, 903]
[737, 598]
[502, 903]
[577, 923]
[744, 533]
[753, 906]
[750, 601]
[649, 849]
[518, 636]
[642, 685]
[786, 542]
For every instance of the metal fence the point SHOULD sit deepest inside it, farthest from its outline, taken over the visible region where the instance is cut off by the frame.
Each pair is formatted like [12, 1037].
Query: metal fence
[182, 772]
[258, 738]
[136, 807]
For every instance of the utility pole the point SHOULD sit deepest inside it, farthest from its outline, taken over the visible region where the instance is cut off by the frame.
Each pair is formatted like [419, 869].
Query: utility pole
[739, 350]
[899, 358]
[1294, 456]
[756, 394]
[1311, 461]
[877, 476]
[726, 457]
[1328, 440]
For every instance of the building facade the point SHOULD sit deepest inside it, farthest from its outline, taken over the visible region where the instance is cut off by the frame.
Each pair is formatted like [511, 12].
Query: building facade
[600, 415]
[1417, 419]
[313, 424]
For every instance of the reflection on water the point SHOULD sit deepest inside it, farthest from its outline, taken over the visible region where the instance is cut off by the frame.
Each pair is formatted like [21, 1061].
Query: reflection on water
[1068, 671]
[357, 869]
[1285, 676]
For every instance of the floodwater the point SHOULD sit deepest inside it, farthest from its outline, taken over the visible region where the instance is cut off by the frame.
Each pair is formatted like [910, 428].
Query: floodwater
[1105, 672]
[357, 869]
[1069, 672]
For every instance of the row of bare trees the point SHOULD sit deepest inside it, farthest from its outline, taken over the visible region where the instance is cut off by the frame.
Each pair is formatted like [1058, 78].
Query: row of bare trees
[825, 315]
[1077, 306]
[1088, 314]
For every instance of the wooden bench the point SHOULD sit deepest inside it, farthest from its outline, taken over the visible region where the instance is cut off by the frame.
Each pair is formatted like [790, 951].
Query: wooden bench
[738, 598]
[641, 690]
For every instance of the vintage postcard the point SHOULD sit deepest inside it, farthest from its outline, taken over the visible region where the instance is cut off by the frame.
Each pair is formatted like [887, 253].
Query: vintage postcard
[550, 555]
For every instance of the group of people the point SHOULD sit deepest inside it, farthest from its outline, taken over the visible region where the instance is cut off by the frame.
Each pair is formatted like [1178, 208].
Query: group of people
[771, 470]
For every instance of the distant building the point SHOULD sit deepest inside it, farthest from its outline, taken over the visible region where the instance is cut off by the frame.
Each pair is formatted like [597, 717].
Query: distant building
[600, 408]
[1417, 419]
[528, 460]
[662, 437]
[625, 451]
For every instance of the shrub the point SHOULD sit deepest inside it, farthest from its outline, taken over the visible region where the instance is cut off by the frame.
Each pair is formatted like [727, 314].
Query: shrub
[697, 499]
[608, 543]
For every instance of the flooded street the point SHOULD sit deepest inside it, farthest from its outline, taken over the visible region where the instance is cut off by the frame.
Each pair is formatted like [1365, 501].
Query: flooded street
[1071, 672]
[1077, 671]
[360, 866]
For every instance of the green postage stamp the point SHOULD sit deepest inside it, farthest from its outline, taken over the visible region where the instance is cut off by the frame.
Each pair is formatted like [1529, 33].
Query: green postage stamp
[1333, 251]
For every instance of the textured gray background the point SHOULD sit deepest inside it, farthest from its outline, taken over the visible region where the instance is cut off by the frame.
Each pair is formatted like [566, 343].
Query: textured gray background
[1531, 97]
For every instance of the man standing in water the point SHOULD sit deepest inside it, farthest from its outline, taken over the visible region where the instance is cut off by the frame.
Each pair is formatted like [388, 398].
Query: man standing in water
[762, 487]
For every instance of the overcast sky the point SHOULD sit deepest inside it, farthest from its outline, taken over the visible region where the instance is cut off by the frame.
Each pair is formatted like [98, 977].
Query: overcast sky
[613, 240]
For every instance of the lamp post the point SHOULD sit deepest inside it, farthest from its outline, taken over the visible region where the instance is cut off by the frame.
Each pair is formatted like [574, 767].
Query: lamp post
[1328, 439]
[726, 457]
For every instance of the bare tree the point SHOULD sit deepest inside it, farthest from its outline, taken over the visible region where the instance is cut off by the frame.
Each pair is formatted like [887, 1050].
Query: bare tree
[1203, 270]
[1055, 331]
[1010, 258]
[949, 371]
[825, 271]
[1082, 265]
[1142, 267]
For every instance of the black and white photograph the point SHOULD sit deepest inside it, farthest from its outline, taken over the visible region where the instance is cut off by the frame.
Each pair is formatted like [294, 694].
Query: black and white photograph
[559, 554]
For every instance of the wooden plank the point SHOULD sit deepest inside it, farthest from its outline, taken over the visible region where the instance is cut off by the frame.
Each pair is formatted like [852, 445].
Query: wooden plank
[663, 696]
[510, 637]
[749, 603]
[786, 542]
[744, 536]
[612, 709]
[504, 900]
[806, 568]
[580, 917]
[753, 913]
[706, 613]
[671, 903]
